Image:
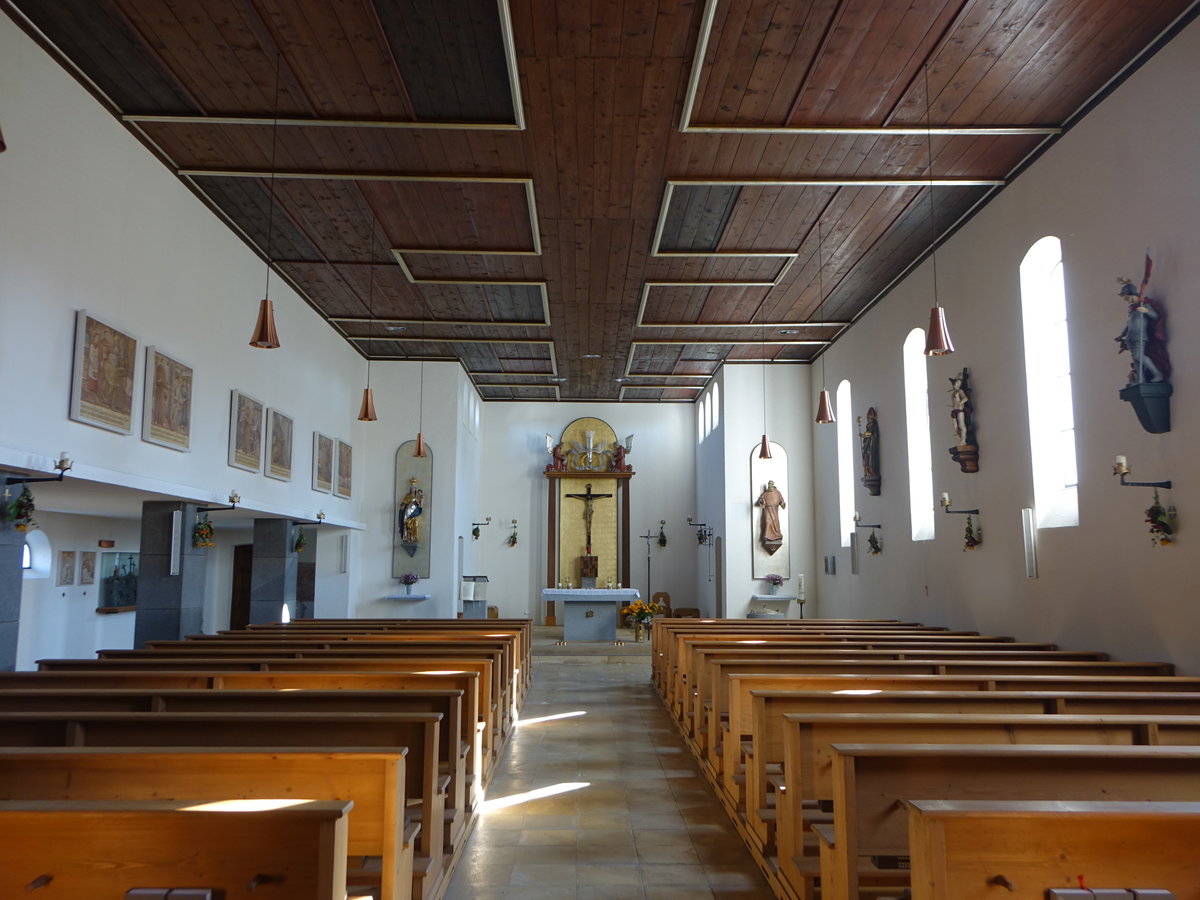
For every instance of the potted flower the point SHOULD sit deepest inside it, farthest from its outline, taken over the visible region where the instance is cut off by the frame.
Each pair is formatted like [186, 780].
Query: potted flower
[774, 581]
[202, 532]
[640, 613]
[301, 540]
[408, 579]
[1159, 519]
[21, 510]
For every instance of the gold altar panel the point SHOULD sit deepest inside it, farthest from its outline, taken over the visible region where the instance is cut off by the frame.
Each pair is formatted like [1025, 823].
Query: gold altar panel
[572, 532]
[585, 456]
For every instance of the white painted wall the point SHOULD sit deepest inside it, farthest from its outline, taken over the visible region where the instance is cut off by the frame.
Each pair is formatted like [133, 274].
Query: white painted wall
[513, 461]
[1121, 181]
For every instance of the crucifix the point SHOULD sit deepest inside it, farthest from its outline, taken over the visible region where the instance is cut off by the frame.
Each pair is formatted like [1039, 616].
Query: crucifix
[587, 499]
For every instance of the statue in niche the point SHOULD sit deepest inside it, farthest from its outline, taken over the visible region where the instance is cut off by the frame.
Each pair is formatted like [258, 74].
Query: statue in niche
[965, 451]
[770, 531]
[411, 508]
[869, 438]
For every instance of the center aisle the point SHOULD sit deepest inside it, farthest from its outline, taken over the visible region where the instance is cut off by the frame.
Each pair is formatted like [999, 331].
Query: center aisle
[623, 811]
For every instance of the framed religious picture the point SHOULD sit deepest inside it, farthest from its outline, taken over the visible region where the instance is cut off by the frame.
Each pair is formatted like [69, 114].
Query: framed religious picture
[322, 466]
[167, 403]
[246, 419]
[87, 567]
[345, 468]
[66, 567]
[103, 378]
[279, 446]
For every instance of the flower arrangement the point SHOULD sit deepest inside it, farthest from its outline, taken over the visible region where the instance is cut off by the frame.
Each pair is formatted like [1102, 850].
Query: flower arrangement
[662, 534]
[972, 536]
[873, 544]
[20, 511]
[641, 611]
[773, 578]
[410, 578]
[1160, 521]
[475, 533]
[512, 538]
[202, 532]
[301, 540]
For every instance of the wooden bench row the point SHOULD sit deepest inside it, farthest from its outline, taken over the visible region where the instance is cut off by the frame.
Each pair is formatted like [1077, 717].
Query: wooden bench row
[406, 729]
[813, 752]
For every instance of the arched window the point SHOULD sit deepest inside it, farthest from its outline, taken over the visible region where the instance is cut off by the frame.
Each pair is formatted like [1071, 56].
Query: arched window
[1048, 385]
[916, 420]
[847, 456]
[699, 421]
[716, 402]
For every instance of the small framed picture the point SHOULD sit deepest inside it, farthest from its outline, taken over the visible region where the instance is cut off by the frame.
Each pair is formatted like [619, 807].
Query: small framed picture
[279, 445]
[103, 378]
[66, 567]
[167, 403]
[345, 469]
[246, 418]
[322, 467]
[87, 567]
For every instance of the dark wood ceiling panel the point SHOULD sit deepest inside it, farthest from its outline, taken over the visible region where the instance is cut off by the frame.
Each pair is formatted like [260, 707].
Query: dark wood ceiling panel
[452, 58]
[248, 201]
[696, 217]
[384, 112]
[100, 41]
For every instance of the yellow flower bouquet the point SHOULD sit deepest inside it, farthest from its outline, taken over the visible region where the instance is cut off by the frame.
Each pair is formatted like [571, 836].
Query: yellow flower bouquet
[641, 612]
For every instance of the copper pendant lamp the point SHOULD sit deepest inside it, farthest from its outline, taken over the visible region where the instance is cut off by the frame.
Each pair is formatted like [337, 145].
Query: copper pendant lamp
[265, 336]
[824, 406]
[366, 411]
[937, 338]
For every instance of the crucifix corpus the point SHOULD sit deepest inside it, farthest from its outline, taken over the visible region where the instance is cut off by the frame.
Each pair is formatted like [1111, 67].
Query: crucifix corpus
[588, 497]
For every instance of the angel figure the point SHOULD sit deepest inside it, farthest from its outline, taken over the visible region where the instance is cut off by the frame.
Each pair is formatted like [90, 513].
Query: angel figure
[617, 455]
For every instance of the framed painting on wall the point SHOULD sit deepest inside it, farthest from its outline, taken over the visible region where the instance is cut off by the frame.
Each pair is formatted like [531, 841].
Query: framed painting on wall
[345, 469]
[322, 468]
[66, 567]
[245, 432]
[87, 567]
[279, 445]
[103, 377]
[167, 404]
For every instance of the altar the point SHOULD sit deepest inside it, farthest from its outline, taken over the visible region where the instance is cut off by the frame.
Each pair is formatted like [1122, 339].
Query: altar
[590, 614]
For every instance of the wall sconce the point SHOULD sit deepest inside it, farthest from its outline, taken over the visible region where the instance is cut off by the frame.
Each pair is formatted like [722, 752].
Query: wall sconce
[945, 502]
[1121, 467]
[858, 522]
[475, 526]
[63, 465]
[234, 500]
[704, 532]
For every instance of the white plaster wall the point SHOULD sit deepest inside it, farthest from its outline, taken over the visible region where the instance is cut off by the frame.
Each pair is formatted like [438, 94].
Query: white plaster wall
[1121, 181]
[513, 460]
[788, 414]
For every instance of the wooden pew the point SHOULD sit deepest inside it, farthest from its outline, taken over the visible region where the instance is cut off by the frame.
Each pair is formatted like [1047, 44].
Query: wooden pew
[297, 852]
[422, 677]
[808, 753]
[448, 704]
[424, 788]
[871, 781]
[313, 661]
[961, 849]
[371, 780]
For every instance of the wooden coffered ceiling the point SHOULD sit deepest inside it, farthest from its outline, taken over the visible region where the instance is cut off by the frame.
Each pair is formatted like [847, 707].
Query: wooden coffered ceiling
[595, 200]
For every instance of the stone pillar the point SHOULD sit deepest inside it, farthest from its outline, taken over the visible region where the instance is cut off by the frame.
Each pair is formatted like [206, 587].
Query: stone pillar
[306, 574]
[169, 606]
[273, 574]
[12, 542]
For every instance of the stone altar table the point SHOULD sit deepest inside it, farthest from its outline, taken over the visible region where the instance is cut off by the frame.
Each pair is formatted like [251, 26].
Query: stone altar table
[591, 614]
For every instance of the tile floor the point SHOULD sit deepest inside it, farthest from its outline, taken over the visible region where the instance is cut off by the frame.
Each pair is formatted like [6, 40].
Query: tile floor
[632, 816]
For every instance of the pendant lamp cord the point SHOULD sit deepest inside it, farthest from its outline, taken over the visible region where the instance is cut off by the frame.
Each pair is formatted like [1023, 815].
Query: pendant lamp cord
[929, 171]
[820, 295]
[370, 297]
[271, 179]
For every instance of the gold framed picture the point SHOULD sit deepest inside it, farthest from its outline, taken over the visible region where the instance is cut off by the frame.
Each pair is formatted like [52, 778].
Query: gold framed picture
[246, 417]
[322, 468]
[102, 381]
[345, 469]
[279, 446]
[87, 567]
[66, 567]
[167, 404]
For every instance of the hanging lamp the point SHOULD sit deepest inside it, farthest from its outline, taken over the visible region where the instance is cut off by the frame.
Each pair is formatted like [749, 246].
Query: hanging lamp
[366, 412]
[937, 339]
[265, 336]
[824, 406]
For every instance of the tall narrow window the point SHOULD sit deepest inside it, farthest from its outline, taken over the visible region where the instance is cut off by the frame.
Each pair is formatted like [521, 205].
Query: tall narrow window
[916, 420]
[716, 404]
[1048, 385]
[847, 459]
